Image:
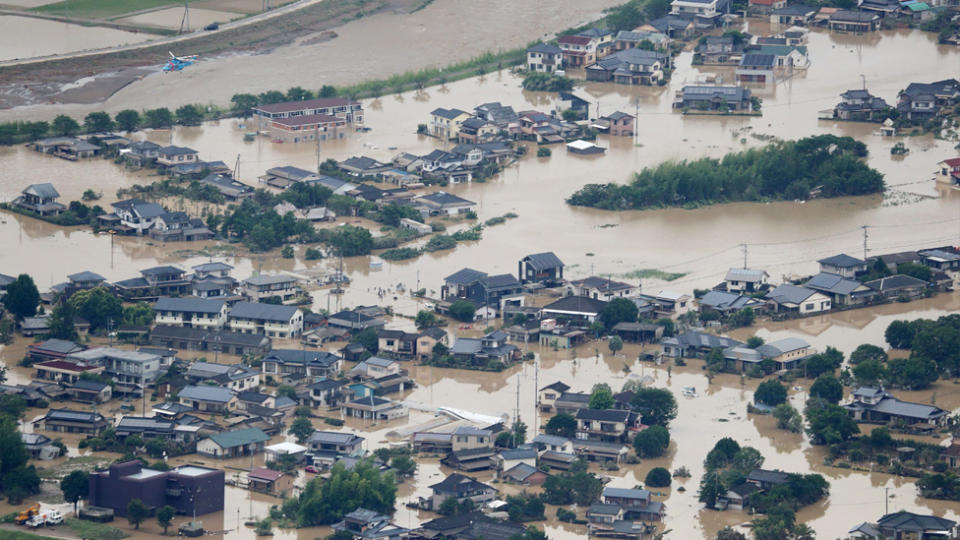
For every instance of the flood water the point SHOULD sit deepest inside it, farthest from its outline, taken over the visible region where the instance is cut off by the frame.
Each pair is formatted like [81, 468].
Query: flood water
[28, 37]
[783, 238]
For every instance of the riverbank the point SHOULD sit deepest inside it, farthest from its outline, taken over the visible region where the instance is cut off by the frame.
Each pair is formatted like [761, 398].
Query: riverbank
[390, 42]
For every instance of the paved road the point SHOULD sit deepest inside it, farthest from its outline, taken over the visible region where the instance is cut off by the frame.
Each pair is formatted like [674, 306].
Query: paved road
[299, 4]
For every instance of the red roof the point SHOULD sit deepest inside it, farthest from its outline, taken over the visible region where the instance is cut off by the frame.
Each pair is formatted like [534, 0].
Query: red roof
[763, 2]
[574, 40]
[308, 119]
[62, 364]
[290, 106]
[955, 162]
[269, 475]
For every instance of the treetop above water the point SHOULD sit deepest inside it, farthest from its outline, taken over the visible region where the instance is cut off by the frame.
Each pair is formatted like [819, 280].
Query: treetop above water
[822, 165]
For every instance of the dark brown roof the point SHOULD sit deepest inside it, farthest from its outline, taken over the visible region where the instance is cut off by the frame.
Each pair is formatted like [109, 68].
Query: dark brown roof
[289, 106]
[308, 119]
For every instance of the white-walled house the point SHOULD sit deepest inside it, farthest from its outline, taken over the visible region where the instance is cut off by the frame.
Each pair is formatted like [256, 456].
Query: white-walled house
[190, 312]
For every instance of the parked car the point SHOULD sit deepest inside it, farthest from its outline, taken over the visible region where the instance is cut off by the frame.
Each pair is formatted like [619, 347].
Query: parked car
[311, 469]
[212, 26]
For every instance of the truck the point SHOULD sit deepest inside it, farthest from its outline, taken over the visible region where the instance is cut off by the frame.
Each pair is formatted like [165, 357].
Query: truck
[26, 514]
[36, 521]
[54, 517]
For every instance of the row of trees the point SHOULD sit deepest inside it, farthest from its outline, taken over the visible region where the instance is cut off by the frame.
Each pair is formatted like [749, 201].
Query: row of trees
[827, 164]
[99, 122]
[243, 104]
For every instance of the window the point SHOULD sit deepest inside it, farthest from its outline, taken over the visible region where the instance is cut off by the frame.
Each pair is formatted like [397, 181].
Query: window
[808, 306]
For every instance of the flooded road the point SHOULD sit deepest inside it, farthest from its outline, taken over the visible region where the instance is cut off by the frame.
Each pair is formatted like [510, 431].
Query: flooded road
[783, 238]
[27, 37]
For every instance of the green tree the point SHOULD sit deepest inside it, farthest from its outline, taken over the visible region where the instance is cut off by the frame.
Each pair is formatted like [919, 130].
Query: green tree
[615, 344]
[12, 405]
[165, 516]
[828, 388]
[350, 241]
[658, 477]
[299, 94]
[158, 118]
[75, 486]
[652, 442]
[97, 122]
[746, 459]
[36, 130]
[98, 306]
[625, 16]
[727, 533]
[868, 352]
[137, 512]
[601, 397]
[61, 323]
[919, 271]
[425, 319]
[22, 297]
[287, 252]
[656, 406]
[364, 486]
[618, 310]
[825, 362]
[914, 373]
[65, 126]
[139, 314]
[743, 317]
[403, 465]
[189, 115]
[327, 91]
[754, 341]
[770, 393]
[286, 391]
[573, 486]
[869, 372]
[828, 423]
[711, 489]
[562, 425]
[368, 338]
[243, 104]
[654, 9]
[899, 334]
[722, 454]
[788, 418]
[462, 310]
[301, 429]
[127, 120]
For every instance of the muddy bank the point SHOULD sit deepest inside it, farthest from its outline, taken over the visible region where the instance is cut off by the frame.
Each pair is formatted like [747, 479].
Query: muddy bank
[275, 52]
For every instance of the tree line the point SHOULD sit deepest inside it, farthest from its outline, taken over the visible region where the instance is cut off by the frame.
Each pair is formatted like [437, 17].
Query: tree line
[100, 122]
[827, 165]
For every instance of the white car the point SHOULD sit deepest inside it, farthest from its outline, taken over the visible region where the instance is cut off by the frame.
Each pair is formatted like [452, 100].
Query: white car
[54, 517]
[36, 521]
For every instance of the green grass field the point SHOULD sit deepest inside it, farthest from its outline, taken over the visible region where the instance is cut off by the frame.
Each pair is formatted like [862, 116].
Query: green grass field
[101, 9]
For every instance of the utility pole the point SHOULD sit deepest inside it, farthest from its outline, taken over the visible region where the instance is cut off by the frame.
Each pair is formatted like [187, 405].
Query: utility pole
[744, 246]
[886, 501]
[866, 234]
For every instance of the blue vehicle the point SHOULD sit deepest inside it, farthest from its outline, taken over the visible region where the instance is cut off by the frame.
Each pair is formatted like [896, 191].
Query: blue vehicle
[177, 63]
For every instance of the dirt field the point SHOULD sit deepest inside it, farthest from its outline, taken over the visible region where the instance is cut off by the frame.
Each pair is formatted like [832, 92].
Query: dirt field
[100, 9]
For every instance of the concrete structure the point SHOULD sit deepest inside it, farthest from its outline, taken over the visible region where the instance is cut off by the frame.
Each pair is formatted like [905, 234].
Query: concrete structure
[189, 489]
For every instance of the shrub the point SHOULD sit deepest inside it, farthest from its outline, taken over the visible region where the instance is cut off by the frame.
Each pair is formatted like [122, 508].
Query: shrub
[658, 477]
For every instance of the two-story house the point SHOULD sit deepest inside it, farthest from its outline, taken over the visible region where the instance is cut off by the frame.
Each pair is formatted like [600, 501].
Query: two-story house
[948, 172]
[544, 58]
[334, 444]
[204, 313]
[920, 101]
[326, 393]
[843, 265]
[236, 377]
[489, 348]
[301, 364]
[745, 280]
[460, 488]
[701, 11]
[445, 123]
[264, 286]
[545, 268]
[796, 299]
[40, 198]
[135, 370]
[861, 105]
[578, 51]
[134, 215]
[787, 353]
[873, 405]
[168, 156]
[548, 395]
[630, 66]
[600, 288]
[344, 108]
[269, 319]
[611, 425]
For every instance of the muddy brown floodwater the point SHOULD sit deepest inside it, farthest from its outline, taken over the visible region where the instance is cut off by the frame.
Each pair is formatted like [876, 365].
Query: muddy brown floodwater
[784, 238]
[19, 37]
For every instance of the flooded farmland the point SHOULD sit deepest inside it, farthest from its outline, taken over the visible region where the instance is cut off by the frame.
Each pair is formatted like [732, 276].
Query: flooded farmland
[786, 238]
[19, 37]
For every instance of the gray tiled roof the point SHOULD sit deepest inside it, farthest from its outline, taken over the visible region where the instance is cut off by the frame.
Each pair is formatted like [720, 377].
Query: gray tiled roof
[258, 311]
[188, 304]
[544, 261]
[842, 261]
[207, 393]
[44, 191]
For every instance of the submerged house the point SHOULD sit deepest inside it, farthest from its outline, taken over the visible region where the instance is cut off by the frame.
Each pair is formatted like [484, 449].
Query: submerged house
[714, 98]
[40, 198]
[862, 106]
[630, 66]
[876, 406]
